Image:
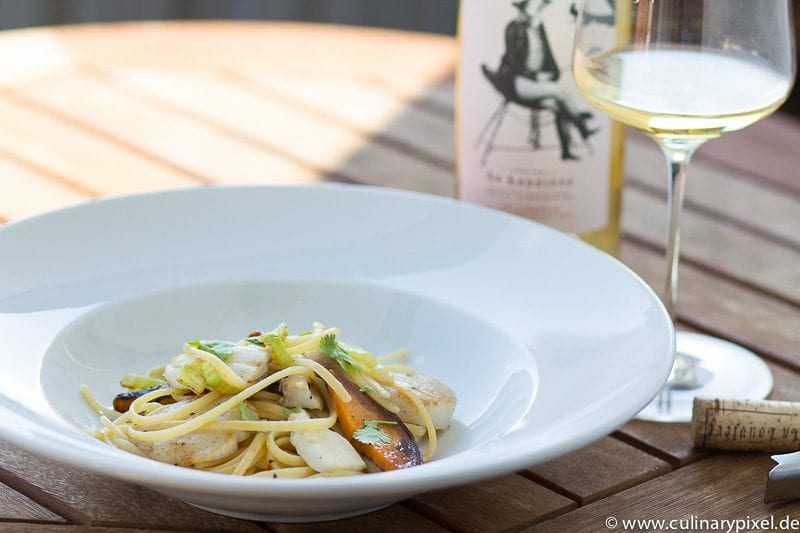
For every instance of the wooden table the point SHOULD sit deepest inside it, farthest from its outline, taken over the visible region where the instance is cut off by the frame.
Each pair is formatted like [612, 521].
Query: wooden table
[97, 111]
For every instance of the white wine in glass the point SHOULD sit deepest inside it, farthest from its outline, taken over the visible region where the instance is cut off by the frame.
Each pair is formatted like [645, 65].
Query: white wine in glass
[684, 72]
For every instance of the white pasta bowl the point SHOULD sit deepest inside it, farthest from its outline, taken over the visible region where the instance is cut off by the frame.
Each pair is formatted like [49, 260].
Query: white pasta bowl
[548, 343]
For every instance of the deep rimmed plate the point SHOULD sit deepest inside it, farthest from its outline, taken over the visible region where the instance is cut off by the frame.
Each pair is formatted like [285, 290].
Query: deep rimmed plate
[548, 343]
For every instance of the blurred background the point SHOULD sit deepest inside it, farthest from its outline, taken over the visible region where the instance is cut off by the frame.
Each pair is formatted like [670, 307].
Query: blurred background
[437, 16]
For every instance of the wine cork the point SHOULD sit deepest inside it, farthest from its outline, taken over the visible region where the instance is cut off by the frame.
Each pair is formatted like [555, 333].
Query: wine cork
[755, 425]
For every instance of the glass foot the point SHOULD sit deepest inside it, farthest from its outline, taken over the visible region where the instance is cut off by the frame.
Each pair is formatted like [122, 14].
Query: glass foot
[712, 368]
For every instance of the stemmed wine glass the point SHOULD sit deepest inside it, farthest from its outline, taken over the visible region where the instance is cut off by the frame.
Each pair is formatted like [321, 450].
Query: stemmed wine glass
[684, 72]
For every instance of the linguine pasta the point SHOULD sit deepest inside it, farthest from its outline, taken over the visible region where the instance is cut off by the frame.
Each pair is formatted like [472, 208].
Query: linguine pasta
[278, 405]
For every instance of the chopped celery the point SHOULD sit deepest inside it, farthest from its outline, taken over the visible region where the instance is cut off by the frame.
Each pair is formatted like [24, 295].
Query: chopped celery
[216, 382]
[192, 377]
[138, 382]
[280, 357]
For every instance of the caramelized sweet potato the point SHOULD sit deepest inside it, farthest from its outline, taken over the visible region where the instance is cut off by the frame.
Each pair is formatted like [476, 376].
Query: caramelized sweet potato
[123, 400]
[401, 452]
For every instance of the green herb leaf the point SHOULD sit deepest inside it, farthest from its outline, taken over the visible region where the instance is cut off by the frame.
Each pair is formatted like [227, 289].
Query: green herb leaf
[222, 349]
[280, 356]
[295, 409]
[366, 388]
[372, 434]
[246, 413]
[255, 340]
[333, 349]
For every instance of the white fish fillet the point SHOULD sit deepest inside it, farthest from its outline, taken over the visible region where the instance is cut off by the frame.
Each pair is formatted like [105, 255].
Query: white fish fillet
[439, 399]
[325, 450]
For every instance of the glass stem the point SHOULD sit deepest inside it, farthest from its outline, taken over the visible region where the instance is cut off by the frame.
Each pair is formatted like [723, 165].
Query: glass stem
[678, 154]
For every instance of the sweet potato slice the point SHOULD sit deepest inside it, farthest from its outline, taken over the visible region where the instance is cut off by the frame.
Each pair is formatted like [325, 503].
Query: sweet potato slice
[402, 450]
[123, 400]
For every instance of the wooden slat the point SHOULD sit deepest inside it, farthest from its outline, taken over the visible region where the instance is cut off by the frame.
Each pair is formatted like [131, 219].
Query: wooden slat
[188, 145]
[412, 58]
[21, 527]
[600, 469]
[767, 149]
[301, 136]
[17, 507]
[735, 196]
[733, 226]
[361, 106]
[718, 246]
[495, 505]
[90, 499]
[764, 324]
[79, 157]
[392, 519]
[726, 486]
[435, 98]
[25, 192]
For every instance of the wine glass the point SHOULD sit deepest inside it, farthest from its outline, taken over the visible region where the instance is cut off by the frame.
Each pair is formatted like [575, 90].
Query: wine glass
[684, 72]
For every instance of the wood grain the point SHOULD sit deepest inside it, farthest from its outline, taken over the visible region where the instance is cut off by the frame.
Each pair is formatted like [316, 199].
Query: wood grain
[674, 442]
[26, 192]
[735, 196]
[359, 106]
[395, 518]
[189, 145]
[767, 149]
[103, 501]
[21, 527]
[726, 486]
[494, 505]
[105, 110]
[17, 507]
[598, 470]
[303, 137]
[720, 243]
[88, 162]
[724, 307]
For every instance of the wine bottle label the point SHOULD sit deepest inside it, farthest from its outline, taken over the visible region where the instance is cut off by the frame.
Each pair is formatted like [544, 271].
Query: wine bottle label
[529, 143]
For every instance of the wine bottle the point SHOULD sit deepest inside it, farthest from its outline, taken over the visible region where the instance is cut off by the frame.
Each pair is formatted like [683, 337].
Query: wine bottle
[527, 141]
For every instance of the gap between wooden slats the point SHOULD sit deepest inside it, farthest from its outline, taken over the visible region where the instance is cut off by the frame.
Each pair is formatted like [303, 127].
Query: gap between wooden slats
[749, 202]
[351, 104]
[90, 499]
[437, 98]
[393, 519]
[726, 486]
[22, 527]
[25, 192]
[602, 468]
[281, 130]
[673, 442]
[501, 504]
[716, 306]
[79, 157]
[718, 247]
[767, 149]
[749, 317]
[16, 507]
[189, 146]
